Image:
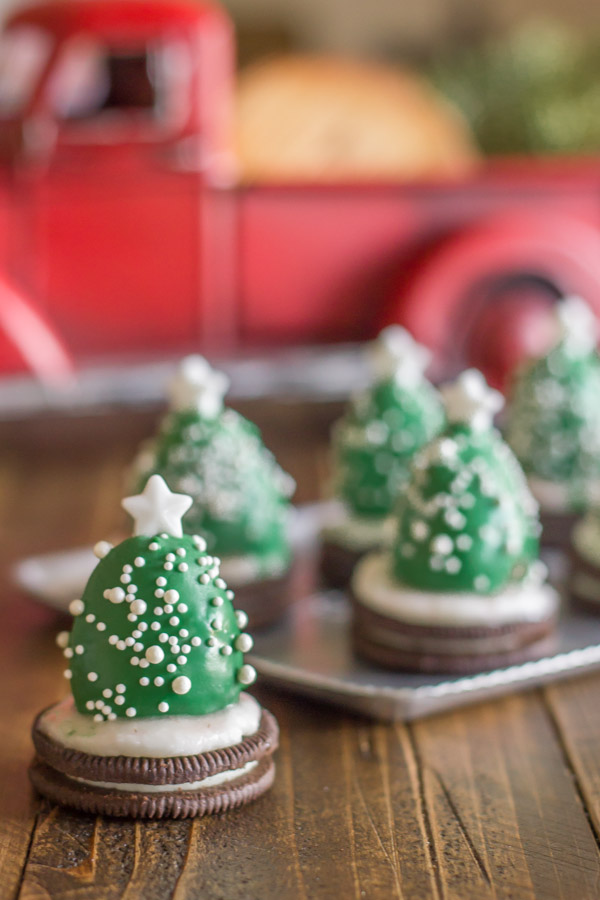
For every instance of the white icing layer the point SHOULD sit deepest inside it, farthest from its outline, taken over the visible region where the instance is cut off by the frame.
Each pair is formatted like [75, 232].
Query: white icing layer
[154, 737]
[586, 538]
[240, 570]
[553, 496]
[219, 778]
[359, 533]
[374, 586]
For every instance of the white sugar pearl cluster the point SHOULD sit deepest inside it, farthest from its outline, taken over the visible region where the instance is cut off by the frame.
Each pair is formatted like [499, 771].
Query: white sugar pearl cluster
[179, 646]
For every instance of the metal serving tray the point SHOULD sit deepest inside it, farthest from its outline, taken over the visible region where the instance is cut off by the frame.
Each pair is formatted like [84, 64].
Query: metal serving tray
[309, 653]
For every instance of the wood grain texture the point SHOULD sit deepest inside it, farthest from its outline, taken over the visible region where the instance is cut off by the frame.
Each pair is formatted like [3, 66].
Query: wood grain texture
[500, 800]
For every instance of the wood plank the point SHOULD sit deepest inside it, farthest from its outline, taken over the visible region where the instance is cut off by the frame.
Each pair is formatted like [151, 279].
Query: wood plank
[505, 819]
[575, 709]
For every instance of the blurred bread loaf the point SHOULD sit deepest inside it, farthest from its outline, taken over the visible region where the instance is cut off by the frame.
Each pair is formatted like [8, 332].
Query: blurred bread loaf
[328, 119]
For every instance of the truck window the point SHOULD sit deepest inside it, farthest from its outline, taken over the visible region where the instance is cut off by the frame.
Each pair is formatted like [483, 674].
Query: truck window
[23, 54]
[100, 92]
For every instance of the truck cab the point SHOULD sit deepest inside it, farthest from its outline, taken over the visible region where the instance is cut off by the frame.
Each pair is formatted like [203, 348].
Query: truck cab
[115, 138]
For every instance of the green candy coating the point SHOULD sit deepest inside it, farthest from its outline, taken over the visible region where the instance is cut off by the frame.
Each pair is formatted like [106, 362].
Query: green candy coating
[98, 663]
[467, 522]
[376, 439]
[241, 496]
[554, 419]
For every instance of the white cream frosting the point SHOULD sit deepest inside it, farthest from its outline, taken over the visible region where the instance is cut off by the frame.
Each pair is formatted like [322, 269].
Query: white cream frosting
[209, 781]
[359, 533]
[241, 570]
[375, 588]
[552, 496]
[153, 737]
[586, 538]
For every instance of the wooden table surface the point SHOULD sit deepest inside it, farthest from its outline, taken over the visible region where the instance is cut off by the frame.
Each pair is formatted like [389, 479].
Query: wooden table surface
[497, 800]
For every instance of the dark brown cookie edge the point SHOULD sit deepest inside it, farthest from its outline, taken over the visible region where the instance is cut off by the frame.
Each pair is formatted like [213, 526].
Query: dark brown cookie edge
[337, 563]
[157, 770]
[187, 804]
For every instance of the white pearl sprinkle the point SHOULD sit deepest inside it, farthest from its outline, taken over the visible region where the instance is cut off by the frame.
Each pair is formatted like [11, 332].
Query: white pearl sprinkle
[173, 640]
[111, 716]
[107, 693]
[67, 653]
[137, 633]
[186, 648]
[89, 704]
[183, 632]
[120, 700]
[120, 688]
[144, 663]
[181, 685]
[62, 639]
[102, 549]
[174, 620]
[168, 566]
[138, 607]
[132, 588]
[155, 626]
[204, 579]
[101, 626]
[153, 546]
[170, 557]
[143, 626]
[113, 639]
[168, 608]
[163, 637]
[79, 649]
[130, 597]
[132, 617]
[138, 647]
[181, 551]
[76, 607]
[183, 567]
[171, 667]
[158, 610]
[67, 673]
[160, 581]
[241, 618]
[163, 706]
[217, 601]
[226, 650]
[230, 595]
[144, 680]
[247, 674]
[135, 660]
[159, 681]
[199, 542]
[139, 561]
[196, 641]
[130, 711]
[128, 569]
[125, 579]
[92, 676]
[220, 583]
[155, 654]
[98, 717]
[121, 645]
[159, 592]
[244, 643]
[211, 642]
[90, 618]
[181, 660]
[129, 641]
[99, 704]
[171, 596]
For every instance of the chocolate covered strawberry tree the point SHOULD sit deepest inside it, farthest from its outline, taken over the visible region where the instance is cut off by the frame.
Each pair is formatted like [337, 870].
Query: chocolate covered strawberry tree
[468, 522]
[155, 631]
[216, 456]
[554, 415]
[385, 426]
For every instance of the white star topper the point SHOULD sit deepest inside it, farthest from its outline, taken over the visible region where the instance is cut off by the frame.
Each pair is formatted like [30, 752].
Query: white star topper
[395, 354]
[469, 399]
[197, 386]
[577, 324]
[157, 509]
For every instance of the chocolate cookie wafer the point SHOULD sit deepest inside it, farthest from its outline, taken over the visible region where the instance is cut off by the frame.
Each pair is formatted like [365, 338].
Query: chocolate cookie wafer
[338, 563]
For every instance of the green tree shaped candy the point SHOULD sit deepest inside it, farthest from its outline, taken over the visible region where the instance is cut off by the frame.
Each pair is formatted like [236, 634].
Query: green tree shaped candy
[554, 416]
[384, 426]
[467, 522]
[240, 495]
[155, 631]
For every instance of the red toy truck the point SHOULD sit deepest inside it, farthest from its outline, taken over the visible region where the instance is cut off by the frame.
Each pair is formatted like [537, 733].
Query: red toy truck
[123, 230]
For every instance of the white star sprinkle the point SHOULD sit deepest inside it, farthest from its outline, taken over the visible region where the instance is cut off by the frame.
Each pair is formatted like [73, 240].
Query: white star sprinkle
[157, 509]
[197, 386]
[395, 354]
[469, 399]
[577, 324]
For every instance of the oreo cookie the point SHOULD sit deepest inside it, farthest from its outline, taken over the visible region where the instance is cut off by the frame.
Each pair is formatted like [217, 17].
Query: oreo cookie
[153, 788]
